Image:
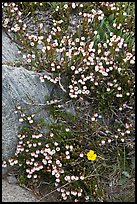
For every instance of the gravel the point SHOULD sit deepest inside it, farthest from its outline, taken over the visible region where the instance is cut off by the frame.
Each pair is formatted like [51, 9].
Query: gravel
[12, 192]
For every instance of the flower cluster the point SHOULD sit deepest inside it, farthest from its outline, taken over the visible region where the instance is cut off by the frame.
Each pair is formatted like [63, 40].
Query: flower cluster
[39, 154]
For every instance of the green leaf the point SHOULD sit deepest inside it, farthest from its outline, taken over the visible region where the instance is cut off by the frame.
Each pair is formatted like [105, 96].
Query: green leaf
[109, 92]
[133, 163]
[125, 173]
[98, 92]
[98, 37]
[111, 17]
[122, 181]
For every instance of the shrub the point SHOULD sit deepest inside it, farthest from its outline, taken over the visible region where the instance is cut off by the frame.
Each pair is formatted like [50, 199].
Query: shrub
[92, 63]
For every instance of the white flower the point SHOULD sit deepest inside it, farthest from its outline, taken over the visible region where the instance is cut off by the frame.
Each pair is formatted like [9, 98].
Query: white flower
[27, 170]
[55, 143]
[5, 4]
[82, 177]
[76, 71]
[20, 119]
[65, 198]
[41, 25]
[29, 176]
[72, 177]
[132, 61]
[32, 44]
[83, 38]
[51, 134]
[96, 114]
[120, 108]
[67, 192]
[103, 142]
[67, 146]
[34, 145]
[68, 157]
[124, 14]
[81, 155]
[48, 47]
[74, 193]
[76, 178]
[77, 39]
[73, 5]
[108, 89]
[58, 180]
[65, 6]
[57, 175]
[67, 178]
[53, 69]
[30, 121]
[44, 161]
[16, 161]
[29, 118]
[114, 25]
[58, 149]
[122, 140]
[67, 152]
[33, 56]
[41, 79]
[72, 67]
[67, 129]
[96, 83]
[79, 194]
[35, 176]
[28, 60]
[49, 161]
[57, 162]
[93, 119]
[109, 140]
[95, 32]
[62, 190]
[87, 198]
[22, 115]
[81, 5]
[116, 136]
[43, 49]
[71, 147]
[53, 172]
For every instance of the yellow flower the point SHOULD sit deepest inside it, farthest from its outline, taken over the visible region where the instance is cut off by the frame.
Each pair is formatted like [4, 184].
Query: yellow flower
[91, 156]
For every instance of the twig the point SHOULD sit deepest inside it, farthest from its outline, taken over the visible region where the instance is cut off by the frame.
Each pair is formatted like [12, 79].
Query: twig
[61, 85]
[117, 117]
[64, 186]
[42, 183]
[40, 104]
[52, 192]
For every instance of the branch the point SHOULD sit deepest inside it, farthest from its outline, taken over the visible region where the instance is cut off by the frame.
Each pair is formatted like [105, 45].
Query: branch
[41, 104]
[61, 85]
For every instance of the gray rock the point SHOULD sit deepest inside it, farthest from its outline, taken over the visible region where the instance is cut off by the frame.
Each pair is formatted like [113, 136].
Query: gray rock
[14, 193]
[9, 49]
[18, 84]
[12, 179]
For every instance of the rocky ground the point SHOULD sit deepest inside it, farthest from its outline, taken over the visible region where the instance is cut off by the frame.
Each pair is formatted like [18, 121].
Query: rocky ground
[12, 192]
